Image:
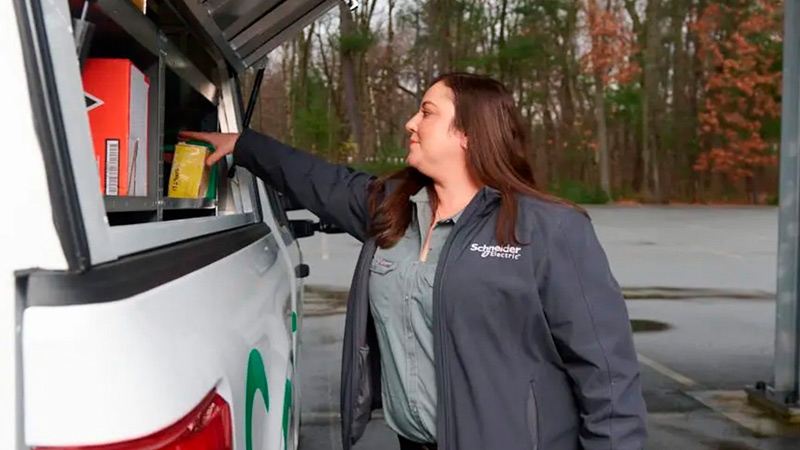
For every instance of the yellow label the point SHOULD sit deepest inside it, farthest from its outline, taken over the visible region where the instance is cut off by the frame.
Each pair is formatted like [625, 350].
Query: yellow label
[189, 176]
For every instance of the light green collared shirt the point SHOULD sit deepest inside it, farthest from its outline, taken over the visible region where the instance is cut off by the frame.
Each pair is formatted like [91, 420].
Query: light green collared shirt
[401, 298]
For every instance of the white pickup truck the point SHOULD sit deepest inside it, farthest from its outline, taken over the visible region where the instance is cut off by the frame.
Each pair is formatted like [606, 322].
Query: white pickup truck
[133, 319]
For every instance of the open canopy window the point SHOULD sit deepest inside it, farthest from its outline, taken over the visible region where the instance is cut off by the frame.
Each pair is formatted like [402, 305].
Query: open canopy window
[246, 31]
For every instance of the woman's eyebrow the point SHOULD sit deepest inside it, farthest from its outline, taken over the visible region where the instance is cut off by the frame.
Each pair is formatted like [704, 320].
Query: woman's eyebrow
[429, 103]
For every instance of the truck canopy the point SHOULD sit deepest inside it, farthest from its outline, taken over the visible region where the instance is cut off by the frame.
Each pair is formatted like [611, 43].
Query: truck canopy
[245, 31]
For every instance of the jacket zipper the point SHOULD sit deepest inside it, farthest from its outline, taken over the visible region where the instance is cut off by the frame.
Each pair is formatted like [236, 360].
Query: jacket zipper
[439, 308]
[440, 330]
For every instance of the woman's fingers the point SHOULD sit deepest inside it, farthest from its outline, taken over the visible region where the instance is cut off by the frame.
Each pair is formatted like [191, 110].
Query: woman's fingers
[223, 143]
[195, 136]
[214, 157]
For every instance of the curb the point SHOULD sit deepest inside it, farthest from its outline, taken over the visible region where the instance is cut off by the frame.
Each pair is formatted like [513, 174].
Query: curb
[677, 293]
[630, 293]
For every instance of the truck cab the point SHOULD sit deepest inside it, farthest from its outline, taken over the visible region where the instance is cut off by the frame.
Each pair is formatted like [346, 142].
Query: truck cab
[148, 302]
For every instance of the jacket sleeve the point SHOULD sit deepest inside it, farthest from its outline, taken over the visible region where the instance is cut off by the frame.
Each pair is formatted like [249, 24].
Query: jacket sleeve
[335, 193]
[590, 326]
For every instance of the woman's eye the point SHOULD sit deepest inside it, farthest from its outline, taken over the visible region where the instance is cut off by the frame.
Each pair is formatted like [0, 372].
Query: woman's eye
[425, 113]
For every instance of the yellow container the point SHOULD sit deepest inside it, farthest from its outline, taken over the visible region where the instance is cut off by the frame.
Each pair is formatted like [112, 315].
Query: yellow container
[189, 175]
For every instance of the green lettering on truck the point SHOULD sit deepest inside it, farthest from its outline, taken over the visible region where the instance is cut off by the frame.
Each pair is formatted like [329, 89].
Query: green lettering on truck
[256, 381]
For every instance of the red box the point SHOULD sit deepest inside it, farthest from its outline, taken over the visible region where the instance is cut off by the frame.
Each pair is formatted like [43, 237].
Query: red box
[116, 95]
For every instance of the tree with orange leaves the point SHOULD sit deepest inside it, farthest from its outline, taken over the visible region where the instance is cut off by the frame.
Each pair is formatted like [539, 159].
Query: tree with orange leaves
[612, 41]
[740, 112]
[609, 61]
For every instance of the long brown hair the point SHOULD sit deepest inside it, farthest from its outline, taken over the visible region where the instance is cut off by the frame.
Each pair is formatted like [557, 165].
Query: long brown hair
[497, 156]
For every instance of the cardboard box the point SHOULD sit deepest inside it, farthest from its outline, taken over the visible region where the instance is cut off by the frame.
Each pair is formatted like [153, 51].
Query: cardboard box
[116, 101]
[189, 177]
[141, 5]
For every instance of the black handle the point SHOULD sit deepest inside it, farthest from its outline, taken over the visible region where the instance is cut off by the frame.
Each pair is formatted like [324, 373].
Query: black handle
[251, 106]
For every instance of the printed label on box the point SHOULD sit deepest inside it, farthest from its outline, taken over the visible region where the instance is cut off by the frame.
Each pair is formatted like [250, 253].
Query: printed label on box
[112, 166]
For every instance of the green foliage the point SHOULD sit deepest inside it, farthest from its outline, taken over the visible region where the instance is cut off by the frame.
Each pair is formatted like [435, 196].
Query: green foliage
[517, 52]
[357, 42]
[773, 200]
[315, 127]
[625, 101]
[578, 192]
[771, 129]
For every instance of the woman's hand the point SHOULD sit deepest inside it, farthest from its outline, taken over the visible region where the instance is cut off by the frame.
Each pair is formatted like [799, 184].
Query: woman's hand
[223, 143]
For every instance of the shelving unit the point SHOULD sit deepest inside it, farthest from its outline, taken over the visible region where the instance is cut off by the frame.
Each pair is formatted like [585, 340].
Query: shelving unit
[139, 27]
[129, 204]
[123, 31]
[189, 203]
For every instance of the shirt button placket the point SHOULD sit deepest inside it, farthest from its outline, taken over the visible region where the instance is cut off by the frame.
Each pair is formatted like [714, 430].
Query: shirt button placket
[409, 333]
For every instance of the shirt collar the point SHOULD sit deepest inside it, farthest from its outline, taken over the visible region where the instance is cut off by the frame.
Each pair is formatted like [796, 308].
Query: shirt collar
[421, 199]
[421, 196]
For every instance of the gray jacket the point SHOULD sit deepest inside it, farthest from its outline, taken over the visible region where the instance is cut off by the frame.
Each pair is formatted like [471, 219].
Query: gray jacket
[533, 344]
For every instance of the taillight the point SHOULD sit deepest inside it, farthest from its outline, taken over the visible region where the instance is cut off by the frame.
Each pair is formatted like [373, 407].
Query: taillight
[207, 427]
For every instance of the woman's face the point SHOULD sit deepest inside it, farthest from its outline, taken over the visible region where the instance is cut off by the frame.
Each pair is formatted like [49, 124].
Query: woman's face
[435, 145]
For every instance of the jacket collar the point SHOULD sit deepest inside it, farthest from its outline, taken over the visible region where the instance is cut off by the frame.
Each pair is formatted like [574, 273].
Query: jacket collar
[489, 195]
[486, 196]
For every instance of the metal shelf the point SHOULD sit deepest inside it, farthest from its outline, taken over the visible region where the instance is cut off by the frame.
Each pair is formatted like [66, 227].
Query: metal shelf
[189, 203]
[130, 19]
[128, 204]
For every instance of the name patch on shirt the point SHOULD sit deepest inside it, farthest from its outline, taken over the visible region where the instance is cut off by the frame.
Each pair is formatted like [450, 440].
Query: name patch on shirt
[497, 251]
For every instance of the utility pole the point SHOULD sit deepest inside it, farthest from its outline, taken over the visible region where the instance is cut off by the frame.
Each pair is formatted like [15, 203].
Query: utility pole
[781, 394]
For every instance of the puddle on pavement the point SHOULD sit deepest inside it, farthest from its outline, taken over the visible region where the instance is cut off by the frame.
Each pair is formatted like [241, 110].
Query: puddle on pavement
[648, 326]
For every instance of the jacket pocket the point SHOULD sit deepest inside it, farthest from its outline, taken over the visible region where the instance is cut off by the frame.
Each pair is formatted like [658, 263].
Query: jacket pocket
[362, 405]
[533, 416]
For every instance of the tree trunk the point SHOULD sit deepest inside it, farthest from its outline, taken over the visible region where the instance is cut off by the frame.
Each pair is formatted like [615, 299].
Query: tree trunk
[391, 81]
[349, 81]
[602, 135]
[289, 75]
[680, 107]
[695, 92]
[648, 95]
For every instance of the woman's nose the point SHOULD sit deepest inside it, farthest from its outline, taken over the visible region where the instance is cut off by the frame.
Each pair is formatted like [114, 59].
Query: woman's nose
[411, 125]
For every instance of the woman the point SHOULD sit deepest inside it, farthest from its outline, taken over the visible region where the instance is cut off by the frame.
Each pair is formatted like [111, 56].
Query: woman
[482, 313]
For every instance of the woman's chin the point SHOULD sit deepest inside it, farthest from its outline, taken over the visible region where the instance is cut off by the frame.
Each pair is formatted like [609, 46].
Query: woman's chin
[412, 160]
[421, 168]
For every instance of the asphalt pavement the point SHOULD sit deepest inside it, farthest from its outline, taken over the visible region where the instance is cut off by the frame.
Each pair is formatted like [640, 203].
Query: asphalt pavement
[699, 283]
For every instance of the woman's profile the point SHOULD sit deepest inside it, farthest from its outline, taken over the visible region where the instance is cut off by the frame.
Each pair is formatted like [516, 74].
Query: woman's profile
[482, 313]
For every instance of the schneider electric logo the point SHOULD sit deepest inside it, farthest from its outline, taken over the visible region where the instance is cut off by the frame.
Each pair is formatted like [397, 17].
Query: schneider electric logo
[497, 251]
